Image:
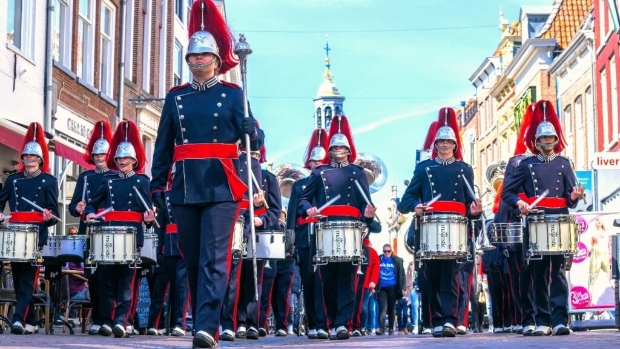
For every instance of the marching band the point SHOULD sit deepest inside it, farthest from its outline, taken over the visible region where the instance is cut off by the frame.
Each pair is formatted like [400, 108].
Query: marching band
[206, 243]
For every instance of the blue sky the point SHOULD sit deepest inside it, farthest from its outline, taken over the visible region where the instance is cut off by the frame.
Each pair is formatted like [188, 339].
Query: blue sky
[397, 62]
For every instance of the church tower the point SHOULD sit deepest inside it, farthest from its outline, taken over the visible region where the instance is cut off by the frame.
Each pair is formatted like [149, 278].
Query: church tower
[328, 101]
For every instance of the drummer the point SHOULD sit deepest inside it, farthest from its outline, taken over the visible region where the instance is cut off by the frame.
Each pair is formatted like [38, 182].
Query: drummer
[442, 175]
[33, 182]
[88, 182]
[117, 191]
[325, 183]
[546, 171]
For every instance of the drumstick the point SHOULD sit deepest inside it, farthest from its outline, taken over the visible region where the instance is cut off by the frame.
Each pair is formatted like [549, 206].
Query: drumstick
[6, 217]
[542, 196]
[359, 187]
[433, 200]
[40, 208]
[103, 212]
[471, 191]
[84, 189]
[144, 204]
[328, 203]
[258, 188]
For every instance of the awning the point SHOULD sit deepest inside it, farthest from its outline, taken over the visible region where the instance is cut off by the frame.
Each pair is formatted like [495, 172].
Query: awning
[11, 135]
[63, 149]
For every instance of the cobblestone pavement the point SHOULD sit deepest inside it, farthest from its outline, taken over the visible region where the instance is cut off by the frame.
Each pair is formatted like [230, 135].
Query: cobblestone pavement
[592, 340]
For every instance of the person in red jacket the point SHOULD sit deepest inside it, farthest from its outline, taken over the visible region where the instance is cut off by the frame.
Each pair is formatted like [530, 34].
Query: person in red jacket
[365, 287]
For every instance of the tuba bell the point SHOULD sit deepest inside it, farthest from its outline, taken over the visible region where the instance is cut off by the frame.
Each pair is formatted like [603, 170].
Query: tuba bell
[287, 175]
[495, 176]
[375, 169]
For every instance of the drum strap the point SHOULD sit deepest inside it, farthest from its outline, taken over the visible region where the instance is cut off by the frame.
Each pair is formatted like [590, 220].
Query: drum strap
[123, 216]
[223, 152]
[449, 206]
[26, 217]
[171, 228]
[545, 202]
[341, 210]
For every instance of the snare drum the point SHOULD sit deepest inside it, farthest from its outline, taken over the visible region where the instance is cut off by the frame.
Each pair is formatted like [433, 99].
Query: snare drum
[270, 244]
[339, 241]
[507, 233]
[552, 234]
[19, 242]
[443, 236]
[70, 248]
[148, 253]
[49, 251]
[238, 246]
[112, 245]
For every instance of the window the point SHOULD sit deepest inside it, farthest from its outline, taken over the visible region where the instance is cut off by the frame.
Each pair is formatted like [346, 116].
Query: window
[179, 7]
[613, 78]
[61, 32]
[129, 20]
[602, 16]
[568, 131]
[487, 114]
[482, 120]
[605, 107]
[146, 45]
[20, 25]
[580, 143]
[107, 49]
[86, 37]
[178, 63]
[472, 151]
[338, 110]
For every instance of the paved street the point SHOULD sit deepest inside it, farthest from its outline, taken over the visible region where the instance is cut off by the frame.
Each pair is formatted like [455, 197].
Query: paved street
[591, 340]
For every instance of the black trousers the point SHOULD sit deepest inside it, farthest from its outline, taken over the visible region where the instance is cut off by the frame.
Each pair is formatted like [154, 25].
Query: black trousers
[270, 270]
[247, 310]
[281, 291]
[339, 292]
[425, 317]
[464, 281]
[231, 298]
[205, 237]
[174, 267]
[515, 267]
[387, 302]
[96, 293]
[442, 291]
[550, 291]
[313, 291]
[118, 281]
[25, 278]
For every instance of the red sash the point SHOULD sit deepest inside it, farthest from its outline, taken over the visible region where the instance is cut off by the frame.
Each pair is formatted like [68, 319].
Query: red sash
[341, 210]
[26, 217]
[223, 152]
[171, 228]
[449, 206]
[302, 221]
[123, 216]
[545, 202]
[260, 211]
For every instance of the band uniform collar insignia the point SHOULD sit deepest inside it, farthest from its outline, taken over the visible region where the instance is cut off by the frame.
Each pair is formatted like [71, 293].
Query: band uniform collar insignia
[548, 159]
[339, 165]
[206, 85]
[101, 170]
[126, 175]
[445, 162]
[33, 174]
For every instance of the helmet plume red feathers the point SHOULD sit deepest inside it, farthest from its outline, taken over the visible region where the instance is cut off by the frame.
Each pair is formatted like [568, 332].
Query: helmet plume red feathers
[319, 138]
[101, 130]
[127, 131]
[340, 124]
[215, 24]
[544, 111]
[430, 136]
[447, 117]
[522, 144]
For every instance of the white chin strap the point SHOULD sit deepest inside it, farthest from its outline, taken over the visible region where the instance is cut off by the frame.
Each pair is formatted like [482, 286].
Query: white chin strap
[31, 161]
[546, 146]
[338, 154]
[445, 147]
[202, 66]
[122, 164]
[98, 161]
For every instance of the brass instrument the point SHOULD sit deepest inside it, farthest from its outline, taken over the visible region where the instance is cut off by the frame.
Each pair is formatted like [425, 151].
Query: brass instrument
[287, 175]
[375, 170]
[495, 176]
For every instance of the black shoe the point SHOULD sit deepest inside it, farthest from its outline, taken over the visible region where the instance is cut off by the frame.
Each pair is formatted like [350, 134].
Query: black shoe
[322, 334]
[105, 330]
[252, 333]
[119, 331]
[448, 331]
[263, 332]
[379, 333]
[391, 332]
[17, 328]
[227, 336]
[203, 340]
[342, 333]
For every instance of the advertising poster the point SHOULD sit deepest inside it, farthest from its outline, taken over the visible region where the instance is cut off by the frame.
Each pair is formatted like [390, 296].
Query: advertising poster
[589, 280]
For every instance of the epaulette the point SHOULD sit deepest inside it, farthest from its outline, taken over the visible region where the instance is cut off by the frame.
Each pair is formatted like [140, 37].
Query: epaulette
[358, 166]
[230, 84]
[175, 88]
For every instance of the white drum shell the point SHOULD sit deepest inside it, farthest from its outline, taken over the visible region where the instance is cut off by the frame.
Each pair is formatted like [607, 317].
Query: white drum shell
[238, 246]
[148, 252]
[339, 241]
[443, 236]
[111, 245]
[270, 244]
[552, 234]
[69, 247]
[19, 242]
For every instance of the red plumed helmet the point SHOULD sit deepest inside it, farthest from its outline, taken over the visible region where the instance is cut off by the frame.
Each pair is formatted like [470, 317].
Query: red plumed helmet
[430, 136]
[127, 143]
[498, 199]
[340, 135]
[545, 122]
[263, 154]
[522, 145]
[448, 128]
[34, 144]
[317, 147]
[209, 33]
[99, 142]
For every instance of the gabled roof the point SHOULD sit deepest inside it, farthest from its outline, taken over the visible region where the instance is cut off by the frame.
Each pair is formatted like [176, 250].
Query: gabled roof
[565, 20]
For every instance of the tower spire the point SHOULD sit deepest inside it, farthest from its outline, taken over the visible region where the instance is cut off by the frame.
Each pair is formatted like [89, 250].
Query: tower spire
[327, 74]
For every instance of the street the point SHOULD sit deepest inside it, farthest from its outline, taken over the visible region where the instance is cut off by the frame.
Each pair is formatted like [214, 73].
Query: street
[591, 339]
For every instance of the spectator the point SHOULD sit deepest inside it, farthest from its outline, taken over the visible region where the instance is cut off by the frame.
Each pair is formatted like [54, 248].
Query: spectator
[412, 278]
[391, 285]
